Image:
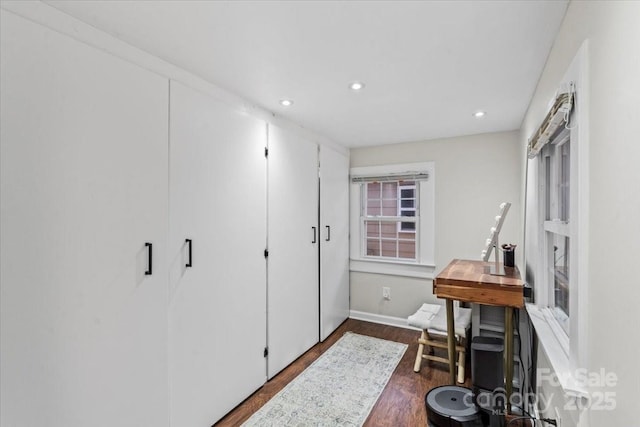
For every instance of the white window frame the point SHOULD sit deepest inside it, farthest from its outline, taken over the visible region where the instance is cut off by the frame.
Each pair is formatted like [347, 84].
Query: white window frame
[566, 349]
[424, 265]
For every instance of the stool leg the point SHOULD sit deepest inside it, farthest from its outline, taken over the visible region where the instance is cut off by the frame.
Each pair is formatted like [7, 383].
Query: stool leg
[461, 360]
[451, 342]
[416, 367]
[427, 337]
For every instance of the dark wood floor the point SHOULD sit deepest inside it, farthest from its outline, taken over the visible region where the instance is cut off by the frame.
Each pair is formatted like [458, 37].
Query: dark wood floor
[401, 402]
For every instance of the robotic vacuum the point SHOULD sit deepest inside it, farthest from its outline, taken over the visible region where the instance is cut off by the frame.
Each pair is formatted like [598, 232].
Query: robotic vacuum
[451, 406]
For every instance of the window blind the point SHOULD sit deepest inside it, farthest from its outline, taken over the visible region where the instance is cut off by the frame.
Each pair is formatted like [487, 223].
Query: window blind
[405, 176]
[558, 116]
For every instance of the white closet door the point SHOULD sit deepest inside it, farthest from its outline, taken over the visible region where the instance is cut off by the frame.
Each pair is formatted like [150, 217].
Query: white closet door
[217, 318]
[84, 186]
[334, 246]
[293, 299]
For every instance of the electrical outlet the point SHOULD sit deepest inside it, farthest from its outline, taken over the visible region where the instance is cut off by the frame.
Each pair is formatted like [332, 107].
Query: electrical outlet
[386, 293]
[558, 417]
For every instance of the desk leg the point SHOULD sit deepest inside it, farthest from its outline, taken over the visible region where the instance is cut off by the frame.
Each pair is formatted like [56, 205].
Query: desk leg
[508, 355]
[451, 341]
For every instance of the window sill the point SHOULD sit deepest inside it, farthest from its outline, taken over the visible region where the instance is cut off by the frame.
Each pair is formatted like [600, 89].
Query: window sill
[393, 268]
[555, 344]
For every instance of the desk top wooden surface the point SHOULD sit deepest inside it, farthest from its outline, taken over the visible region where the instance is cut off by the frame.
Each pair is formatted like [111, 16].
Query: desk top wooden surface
[470, 281]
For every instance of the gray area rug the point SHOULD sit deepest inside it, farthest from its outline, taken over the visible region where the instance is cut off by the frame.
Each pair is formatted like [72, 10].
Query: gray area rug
[338, 389]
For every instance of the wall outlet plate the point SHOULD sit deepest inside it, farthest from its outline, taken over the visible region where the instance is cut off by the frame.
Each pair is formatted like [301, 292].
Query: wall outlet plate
[386, 293]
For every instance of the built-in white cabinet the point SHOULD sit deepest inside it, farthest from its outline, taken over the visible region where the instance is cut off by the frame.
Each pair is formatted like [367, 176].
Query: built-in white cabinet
[218, 202]
[83, 139]
[308, 269]
[136, 289]
[293, 302]
[334, 243]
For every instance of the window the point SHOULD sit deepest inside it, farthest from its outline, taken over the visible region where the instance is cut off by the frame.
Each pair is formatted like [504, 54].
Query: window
[392, 217]
[558, 239]
[389, 219]
[556, 225]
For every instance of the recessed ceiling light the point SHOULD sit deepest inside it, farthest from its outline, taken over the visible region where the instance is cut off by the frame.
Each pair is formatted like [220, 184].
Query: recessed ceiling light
[479, 114]
[286, 102]
[356, 86]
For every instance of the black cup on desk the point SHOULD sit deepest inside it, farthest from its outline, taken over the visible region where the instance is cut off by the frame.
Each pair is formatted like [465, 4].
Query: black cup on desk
[509, 253]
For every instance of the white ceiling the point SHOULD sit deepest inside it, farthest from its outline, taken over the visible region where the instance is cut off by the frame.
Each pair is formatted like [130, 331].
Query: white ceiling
[427, 66]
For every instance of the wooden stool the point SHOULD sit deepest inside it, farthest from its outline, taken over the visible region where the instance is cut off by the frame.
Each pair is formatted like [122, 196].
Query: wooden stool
[431, 318]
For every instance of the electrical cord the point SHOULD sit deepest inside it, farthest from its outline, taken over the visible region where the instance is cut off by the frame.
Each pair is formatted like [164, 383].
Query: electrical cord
[523, 410]
[523, 379]
[531, 342]
[526, 371]
[516, 318]
[531, 358]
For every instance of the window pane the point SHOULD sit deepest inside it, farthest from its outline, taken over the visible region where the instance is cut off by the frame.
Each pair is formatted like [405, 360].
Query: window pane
[389, 248]
[390, 190]
[389, 230]
[410, 203]
[373, 247]
[373, 229]
[373, 190]
[373, 199]
[407, 193]
[561, 272]
[564, 181]
[390, 207]
[407, 249]
[547, 188]
[373, 208]
[408, 226]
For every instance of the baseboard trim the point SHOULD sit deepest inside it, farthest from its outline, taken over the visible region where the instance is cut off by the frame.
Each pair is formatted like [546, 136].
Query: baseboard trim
[399, 322]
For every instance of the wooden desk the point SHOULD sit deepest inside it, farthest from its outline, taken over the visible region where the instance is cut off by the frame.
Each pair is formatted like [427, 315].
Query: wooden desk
[470, 281]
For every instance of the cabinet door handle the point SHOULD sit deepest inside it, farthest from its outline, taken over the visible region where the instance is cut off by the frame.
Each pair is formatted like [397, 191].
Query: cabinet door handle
[314, 235]
[328, 232]
[150, 265]
[190, 249]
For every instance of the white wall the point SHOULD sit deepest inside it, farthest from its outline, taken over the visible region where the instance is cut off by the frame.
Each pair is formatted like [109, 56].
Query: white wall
[612, 29]
[473, 175]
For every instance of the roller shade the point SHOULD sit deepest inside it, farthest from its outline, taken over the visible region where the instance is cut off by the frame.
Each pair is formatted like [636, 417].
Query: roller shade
[406, 176]
[557, 117]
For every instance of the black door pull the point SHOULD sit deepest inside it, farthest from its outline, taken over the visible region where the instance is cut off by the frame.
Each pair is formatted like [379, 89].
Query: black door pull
[189, 263]
[314, 235]
[328, 232]
[150, 265]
